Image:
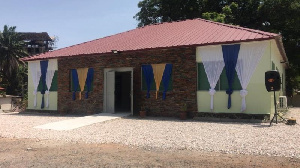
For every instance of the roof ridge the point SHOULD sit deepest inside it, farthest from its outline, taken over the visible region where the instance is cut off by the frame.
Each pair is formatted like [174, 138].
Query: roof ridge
[218, 23]
[90, 41]
[239, 27]
[161, 23]
[167, 22]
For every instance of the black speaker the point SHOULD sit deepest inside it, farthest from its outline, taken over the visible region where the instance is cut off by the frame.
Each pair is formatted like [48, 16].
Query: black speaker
[272, 81]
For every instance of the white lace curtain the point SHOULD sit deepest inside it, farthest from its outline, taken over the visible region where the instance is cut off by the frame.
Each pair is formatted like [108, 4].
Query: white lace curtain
[212, 58]
[249, 56]
[35, 69]
[52, 66]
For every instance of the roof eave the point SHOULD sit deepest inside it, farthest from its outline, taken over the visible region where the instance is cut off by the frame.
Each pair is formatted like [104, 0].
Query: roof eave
[158, 48]
[280, 46]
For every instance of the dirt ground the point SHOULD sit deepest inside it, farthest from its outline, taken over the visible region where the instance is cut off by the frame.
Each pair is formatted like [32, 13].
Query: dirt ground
[46, 153]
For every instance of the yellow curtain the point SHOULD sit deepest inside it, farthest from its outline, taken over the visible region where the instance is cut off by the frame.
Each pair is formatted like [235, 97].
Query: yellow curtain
[82, 74]
[158, 70]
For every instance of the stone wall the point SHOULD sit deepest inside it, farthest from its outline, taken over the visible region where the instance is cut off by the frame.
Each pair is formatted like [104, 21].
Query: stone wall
[184, 81]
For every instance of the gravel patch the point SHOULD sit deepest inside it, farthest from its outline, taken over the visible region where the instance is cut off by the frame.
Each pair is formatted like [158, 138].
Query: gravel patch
[167, 133]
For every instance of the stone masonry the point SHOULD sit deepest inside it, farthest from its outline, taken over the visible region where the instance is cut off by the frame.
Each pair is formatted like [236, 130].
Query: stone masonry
[184, 81]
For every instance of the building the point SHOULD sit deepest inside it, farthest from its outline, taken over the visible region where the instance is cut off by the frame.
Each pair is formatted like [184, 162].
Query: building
[36, 43]
[161, 67]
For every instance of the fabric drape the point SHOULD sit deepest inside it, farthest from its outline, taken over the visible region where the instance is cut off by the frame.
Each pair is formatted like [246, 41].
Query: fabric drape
[82, 74]
[158, 70]
[230, 55]
[75, 82]
[148, 74]
[89, 80]
[248, 59]
[212, 59]
[35, 70]
[52, 66]
[44, 67]
[166, 78]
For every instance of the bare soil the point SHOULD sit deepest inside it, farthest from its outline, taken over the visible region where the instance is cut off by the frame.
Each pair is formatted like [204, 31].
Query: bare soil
[49, 153]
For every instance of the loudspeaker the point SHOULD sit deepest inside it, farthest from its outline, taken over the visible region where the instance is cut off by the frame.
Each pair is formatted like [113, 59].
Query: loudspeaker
[272, 81]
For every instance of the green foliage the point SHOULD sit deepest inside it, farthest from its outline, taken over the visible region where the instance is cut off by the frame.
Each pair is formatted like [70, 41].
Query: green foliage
[2, 93]
[282, 16]
[277, 16]
[12, 70]
[149, 12]
[22, 81]
[292, 81]
[214, 16]
[157, 11]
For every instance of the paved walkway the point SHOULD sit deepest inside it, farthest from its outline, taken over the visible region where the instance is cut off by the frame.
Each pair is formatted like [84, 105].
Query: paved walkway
[81, 121]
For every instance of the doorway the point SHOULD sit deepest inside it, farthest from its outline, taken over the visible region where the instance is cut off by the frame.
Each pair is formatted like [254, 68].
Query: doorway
[118, 90]
[122, 91]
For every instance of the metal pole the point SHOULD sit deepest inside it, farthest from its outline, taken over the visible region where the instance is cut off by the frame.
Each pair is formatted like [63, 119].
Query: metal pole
[275, 108]
[275, 114]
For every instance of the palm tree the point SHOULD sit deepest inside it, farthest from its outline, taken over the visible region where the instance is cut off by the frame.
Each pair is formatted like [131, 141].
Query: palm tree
[11, 50]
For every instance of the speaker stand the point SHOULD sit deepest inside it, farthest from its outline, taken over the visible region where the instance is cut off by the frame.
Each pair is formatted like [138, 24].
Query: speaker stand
[276, 114]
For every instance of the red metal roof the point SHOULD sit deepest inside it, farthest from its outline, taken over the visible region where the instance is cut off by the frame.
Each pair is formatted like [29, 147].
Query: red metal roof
[196, 32]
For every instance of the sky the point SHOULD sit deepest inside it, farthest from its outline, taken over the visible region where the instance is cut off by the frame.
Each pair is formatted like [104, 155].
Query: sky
[72, 21]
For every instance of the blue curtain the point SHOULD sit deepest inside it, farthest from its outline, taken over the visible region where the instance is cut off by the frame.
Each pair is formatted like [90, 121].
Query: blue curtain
[75, 82]
[166, 78]
[148, 73]
[88, 82]
[44, 67]
[230, 56]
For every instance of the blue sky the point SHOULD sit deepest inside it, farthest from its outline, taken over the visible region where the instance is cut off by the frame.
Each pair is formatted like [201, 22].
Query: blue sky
[73, 21]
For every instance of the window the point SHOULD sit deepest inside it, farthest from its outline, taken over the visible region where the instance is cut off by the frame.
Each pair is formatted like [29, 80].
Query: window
[153, 87]
[203, 83]
[71, 89]
[222, 84]
[236, 85]
[53, 85]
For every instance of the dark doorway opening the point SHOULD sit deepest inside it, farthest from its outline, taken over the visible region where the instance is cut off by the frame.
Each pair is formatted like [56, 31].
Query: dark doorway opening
[122, 91]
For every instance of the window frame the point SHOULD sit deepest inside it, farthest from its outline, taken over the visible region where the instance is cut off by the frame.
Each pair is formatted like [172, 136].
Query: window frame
[219, 83]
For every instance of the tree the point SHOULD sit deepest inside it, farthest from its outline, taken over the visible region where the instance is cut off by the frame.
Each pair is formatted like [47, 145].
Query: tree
[157, 11]
[276, 16]
[149, 12]
[282, 16]
[11, 50]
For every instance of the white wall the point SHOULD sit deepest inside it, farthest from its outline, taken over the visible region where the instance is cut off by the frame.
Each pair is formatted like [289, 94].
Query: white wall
[258, 100]
[52, 95]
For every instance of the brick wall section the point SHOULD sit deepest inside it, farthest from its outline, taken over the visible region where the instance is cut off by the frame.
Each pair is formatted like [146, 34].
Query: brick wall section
[184, 81]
